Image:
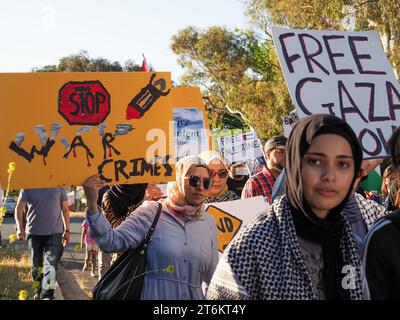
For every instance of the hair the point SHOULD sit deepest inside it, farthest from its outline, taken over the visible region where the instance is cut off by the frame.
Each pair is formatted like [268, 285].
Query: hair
[386, 174]
[392, 146]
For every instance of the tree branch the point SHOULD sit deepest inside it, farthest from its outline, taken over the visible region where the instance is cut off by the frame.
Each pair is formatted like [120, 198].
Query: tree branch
[236, 114]
[365, 2]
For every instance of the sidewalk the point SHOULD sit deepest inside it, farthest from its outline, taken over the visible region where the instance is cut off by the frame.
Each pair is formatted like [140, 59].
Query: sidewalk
[67, 287]
[57, 293]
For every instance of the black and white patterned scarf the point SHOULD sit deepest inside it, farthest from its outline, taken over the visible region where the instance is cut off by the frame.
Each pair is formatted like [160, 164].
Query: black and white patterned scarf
[266, 261]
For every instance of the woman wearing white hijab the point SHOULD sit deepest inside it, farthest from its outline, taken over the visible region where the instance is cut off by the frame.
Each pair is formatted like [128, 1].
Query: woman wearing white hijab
[219, 191]
[185, 236]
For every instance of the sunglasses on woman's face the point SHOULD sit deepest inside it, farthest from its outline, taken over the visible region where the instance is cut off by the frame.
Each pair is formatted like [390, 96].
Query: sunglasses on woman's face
[195, 181]
[222, 174]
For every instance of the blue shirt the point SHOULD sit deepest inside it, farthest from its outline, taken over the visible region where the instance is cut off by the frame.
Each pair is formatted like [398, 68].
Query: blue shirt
[44, 210]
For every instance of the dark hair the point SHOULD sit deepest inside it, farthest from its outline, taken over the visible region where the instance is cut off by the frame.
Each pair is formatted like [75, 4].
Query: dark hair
[392, 147]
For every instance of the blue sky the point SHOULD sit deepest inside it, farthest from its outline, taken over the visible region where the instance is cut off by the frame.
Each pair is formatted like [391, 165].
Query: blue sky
[34, 33]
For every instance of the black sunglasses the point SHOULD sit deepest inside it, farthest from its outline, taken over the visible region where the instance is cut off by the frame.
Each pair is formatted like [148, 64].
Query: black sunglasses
[222, 174]
[195, 181]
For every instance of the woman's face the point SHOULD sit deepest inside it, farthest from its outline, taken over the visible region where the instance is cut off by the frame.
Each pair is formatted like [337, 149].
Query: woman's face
[194, 195]
[327, 172]
[217, 169]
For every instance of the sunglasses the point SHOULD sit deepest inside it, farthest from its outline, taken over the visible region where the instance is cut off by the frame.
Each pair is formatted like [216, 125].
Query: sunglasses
[222, 174]
[195, 181]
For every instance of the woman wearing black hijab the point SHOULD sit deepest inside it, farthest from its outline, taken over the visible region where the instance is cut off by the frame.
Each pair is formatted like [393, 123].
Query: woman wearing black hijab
[302, 247]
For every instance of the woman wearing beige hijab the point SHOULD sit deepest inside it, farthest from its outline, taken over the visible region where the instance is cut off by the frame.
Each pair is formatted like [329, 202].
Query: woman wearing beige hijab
[185, 236]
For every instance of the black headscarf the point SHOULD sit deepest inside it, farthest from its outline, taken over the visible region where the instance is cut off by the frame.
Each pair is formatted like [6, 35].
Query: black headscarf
[326, 232]
[122, 196]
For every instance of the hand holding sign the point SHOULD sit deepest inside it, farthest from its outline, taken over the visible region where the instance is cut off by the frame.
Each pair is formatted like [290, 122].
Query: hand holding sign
[368, 165]
[153, 192]
[91, 186]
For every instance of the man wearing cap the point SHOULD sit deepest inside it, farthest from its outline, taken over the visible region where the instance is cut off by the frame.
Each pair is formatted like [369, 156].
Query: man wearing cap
[262, 183]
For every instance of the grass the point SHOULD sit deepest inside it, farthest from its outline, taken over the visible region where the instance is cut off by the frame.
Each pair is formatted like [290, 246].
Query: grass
[15, 273]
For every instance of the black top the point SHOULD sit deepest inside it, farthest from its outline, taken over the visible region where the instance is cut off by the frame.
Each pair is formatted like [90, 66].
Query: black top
[236, 186]
[383, 259]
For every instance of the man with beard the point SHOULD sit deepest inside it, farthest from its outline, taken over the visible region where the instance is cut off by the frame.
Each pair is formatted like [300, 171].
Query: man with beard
[262, 183]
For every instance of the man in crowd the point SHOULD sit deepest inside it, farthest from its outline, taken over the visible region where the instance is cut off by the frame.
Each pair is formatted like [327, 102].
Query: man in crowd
[47, 231]
[237, 177]
[262, 183]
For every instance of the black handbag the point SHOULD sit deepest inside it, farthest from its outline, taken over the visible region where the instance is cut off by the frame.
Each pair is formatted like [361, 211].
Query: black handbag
[124, 279]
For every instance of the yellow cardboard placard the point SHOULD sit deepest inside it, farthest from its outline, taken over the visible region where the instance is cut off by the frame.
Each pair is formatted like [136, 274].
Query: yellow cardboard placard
[227, 225]
[43, 128]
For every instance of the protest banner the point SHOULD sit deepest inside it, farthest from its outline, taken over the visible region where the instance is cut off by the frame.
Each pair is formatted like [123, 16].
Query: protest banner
[59, 128]
[231, 216]
[287, 126]
[240, 147]
[288, 122]
[346, 74]
[191, 128]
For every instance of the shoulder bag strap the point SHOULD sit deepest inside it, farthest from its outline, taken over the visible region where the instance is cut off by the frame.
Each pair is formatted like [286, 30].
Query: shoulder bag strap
[149, 234]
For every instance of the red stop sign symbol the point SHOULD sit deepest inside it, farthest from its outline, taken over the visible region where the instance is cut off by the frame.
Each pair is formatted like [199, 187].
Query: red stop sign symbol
[84, 103]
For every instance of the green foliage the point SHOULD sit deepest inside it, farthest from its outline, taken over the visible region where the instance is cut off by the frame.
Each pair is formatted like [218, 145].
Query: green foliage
[302, 14]
[238, 75]
[381, 15]
[81, 62]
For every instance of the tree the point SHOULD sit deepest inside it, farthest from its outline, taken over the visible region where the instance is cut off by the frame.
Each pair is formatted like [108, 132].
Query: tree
[381, 15]
[81, 62]
[238, 75]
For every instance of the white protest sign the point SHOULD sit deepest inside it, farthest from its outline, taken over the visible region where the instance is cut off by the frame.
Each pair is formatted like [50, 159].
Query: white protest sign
[189, 131]
[346, 74]
[287, 125]
[240, 147]
[231, 216]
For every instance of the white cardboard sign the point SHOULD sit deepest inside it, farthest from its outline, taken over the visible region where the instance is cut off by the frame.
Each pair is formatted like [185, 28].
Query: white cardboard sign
[231, 216]
[240, 147]
[346, 74]
[189, 130]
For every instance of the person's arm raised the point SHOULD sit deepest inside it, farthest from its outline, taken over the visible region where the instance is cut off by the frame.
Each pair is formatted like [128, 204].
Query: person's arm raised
[91, 186]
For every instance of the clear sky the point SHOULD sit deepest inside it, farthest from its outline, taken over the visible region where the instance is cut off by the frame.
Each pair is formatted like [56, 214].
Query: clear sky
[34, 33]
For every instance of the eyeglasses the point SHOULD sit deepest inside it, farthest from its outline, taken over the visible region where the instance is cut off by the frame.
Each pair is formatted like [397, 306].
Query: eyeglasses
[222, 174]
[195, 181]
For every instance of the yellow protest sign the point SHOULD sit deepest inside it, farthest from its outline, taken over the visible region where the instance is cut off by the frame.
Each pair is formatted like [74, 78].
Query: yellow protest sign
[227, 224]
[59, 128]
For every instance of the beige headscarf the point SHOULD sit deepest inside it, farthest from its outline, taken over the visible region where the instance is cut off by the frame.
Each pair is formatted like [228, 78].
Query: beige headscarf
[176, 193]
[212, 156]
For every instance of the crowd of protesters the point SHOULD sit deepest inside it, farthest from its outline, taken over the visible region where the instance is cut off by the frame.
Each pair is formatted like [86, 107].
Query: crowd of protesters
[320, 222]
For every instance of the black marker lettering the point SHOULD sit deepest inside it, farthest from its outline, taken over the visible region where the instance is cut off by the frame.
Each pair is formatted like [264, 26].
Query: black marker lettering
[332, 55]
[288, 59]
[309, 57]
